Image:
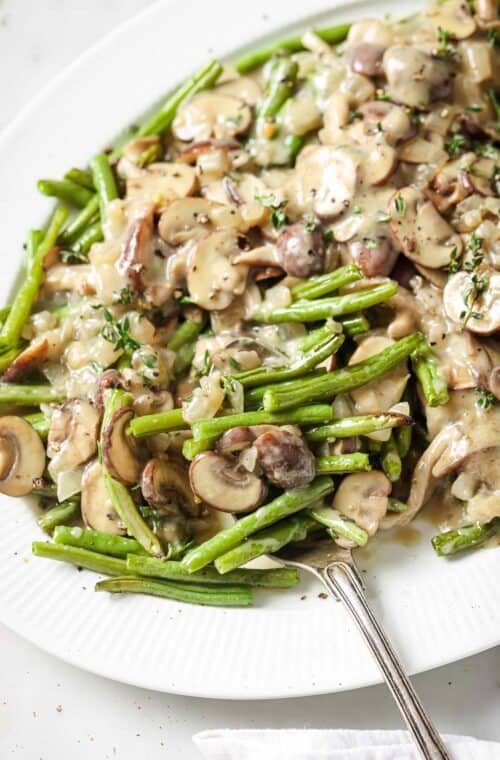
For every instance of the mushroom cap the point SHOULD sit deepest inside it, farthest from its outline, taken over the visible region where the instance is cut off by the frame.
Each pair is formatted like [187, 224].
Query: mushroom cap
[22, 456]
[485, 319]
[162, 183]
[380, 395]
[363, 497]
[413, 76]
[365, 58]
[420, 231]
[454, 17]
[98, 511]
[223, 485]
[121, 455]
[165, 483]
[213, 279]
[325, 180]
[211, 114]
[191, 218]
[72, 438]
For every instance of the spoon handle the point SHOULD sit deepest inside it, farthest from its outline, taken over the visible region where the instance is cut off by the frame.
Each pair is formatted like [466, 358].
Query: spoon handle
[342, 582]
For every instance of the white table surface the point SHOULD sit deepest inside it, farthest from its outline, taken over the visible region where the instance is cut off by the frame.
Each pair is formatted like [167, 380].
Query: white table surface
[52, 711]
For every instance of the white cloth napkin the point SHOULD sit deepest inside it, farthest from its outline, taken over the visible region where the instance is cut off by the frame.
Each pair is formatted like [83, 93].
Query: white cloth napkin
[329, 745]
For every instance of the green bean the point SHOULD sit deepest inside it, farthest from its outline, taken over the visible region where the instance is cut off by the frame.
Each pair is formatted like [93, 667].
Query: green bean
[91, 234]
[8, 355]
[97, 541]
[191, 448]
[313, 311]
[65, 190]
[283, 506]
[339, 525]
[315, 287]
[318, 336]
[104, 181]
[184, 358]
[226, 596]
[280, 84]
[40, 423]
[185, 333]
[28, 395]
[130, 515]
[308, 415]
[426, 368]
[98, 563]
[115, 399]
[270, 375]
[332, 35]
[395, 505]
[48, 491]
[338, 464]
[254, 396]
[403, 437]
[342, 380]
[267, 541]
[81, 177]
[460, 539]
[163, 118]
[175, 571]
[150, 154]
[77, 226]
[35, 238]
[390, 460]
[61, 513]
[362, 425]
[354, 325]
[27, 293]
[163, 422]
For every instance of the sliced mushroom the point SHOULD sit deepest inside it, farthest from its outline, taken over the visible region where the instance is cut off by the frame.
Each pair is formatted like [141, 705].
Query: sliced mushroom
[109, 379]
[162, 183]
[213, 277]
[98, 511]
[479, 485]
[243, 88]
[494, 382]
[22, 456]
[415, 78]
[211, 114]
[285, 458]
[235, 440]
[301, 252]
[137, 250]
[189, 155]
[72, 438]
[165, 485]
[454, 17]
[134, 149]
[395, 122]
[191, 218]
[30, 358]
[363, 497]
[380, 395]
[217, 481]
[381, 162]
[420, 150]
[325, 180]
[375, 261]
[365, 58]
[120, 453]
[370, 30]
[472, 299]
[420, 231]
[263, 256]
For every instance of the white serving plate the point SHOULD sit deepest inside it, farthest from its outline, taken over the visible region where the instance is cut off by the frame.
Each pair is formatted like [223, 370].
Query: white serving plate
[435, 611]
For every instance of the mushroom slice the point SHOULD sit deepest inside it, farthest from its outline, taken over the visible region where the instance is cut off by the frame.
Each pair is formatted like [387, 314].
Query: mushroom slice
[109, 379]
[420, 231]
[414, 78]
[363, 497]
[191, 153]
[365, 58]
[165, 483]
[162, 183]
[243, 88]
[375, 262]
[263, 256]
[235, 440]
[381, 162]
[134, 149]
[191, 218]
[325, 180]
[22, 456]
[382, 394]
[424, 151]
[72, 438]
[211, 114]
[472, 299]
[395, 121]
[137, 250]
[121, 456]
[285, 458]
[301, 252]
[31, 357]
[479, 485]
[454, 17]
[98, 511]
[213, 278]
[224, 485]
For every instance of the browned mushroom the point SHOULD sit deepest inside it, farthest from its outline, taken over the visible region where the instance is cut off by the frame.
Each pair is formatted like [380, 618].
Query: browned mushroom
[121, 455]
[375, 261]
[235, 440]
[134, 149]
[137, 250]
[414, 77]
[365, 58]
[224, 485]
[31, 357]
[22, 456]
[301, 252]
[109, 379]
[98, 511]
[420, 231]
[363, 497]
[213, 277]
[165, 485]
[72, 438]
[285, 458]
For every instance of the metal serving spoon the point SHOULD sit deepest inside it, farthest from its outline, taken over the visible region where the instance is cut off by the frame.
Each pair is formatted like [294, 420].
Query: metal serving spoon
[336, 570]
